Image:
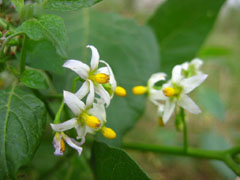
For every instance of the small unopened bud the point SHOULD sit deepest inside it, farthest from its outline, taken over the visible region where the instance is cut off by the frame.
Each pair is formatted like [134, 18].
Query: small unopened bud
[120, 91]
[101, 78]
[169, 91]
[109, 133]
[139, 90]
[92, 121]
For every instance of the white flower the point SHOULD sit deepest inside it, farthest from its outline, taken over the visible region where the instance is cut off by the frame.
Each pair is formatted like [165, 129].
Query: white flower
[59, 144]
[94, 77]
[176, 90]
[192, 68]
[86, 120]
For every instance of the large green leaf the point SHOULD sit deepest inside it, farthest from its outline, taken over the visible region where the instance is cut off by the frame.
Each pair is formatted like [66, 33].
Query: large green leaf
[130, 49]
[50, 27]
[22, 121]
[67, 5]
[114, 164]
[181, 28]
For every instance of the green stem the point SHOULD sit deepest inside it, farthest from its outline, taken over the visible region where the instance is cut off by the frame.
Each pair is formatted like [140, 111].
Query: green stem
[58, 115]
[185, 135]
[23, 56]
[220, 155]
[5, 43]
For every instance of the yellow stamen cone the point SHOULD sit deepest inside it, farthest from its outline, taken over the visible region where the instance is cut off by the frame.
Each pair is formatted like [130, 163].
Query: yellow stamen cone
[120, 91]
[109, 133]
[92, 121]
[102, 78]
[62, 147]
[169, 91]
[139, 90]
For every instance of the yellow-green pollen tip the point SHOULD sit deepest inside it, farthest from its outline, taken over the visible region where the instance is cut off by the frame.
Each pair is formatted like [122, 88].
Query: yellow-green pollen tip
[91, 121]
[101, 78]
[108, 133]
[120, 91]
[169, 91]
[139, 90]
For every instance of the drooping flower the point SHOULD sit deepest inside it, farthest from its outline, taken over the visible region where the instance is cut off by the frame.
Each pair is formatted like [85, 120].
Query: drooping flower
[175, 92]
[59, 143]
[93, 76]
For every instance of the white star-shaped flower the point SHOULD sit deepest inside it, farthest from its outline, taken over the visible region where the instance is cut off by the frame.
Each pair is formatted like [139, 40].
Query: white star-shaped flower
[94, 77]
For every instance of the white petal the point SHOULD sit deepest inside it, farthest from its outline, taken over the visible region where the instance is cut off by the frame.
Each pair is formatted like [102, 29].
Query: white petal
[72, 101]
[79, 143]
[103, 94]
[185, 65]
[95, 57]
[81, 131]
[65, 125]
[84, 89]
[98, 110]
[157, 95]
[197, 63]
[90, 97]
[168, 110]
[160, 110]
[57, 145]
[155, 78]
[78, 67]
[187, 103]
[72, 143]
[112, 80]
[103, 70]
[191, 83]
[177, 73]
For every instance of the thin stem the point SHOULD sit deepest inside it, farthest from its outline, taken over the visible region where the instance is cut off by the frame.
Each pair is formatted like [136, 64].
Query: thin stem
[75, 83]
[185, 135]
[58, 115]
[23, 55]
[5, 43]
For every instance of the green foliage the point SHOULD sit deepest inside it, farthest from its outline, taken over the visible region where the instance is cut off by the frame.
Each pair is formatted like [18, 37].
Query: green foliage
[18, 4]
[181, 28]
[22, 121]
[50, 27]
[131, 51]
[212, 102]
[112, 163]
[34, 79]
[68, 5]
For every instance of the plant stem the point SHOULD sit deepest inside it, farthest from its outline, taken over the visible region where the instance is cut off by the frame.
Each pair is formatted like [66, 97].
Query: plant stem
[23, 55]
[58, 115]
[185, 135]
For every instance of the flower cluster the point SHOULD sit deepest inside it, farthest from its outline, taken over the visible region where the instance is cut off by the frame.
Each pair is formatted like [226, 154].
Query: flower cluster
[99, 86]
[185, 78]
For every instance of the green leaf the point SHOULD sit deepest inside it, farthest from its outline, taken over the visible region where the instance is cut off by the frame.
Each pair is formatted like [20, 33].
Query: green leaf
[181, 28]
[212, 102]
[112, 163]
[130, 49]
[34, 79]
[42, 55]
[22, 121]
[18, 4]
[68, 5]
[50, 27]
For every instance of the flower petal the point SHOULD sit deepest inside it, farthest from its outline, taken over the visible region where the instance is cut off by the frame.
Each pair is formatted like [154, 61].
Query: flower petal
[187, 103]
[191, 83]
[112, 78]
[197, 63]
[81, 131]
[168, 110]
[57, 145]
[103, 94]
[95, 57]
[103, 70]
[177, 73]
[72, 143]
[157, 95]
[155, 78]
[98, 110]
[72, 101]
[84, 89]
[65, 125]
[78, 67]
[90, 97]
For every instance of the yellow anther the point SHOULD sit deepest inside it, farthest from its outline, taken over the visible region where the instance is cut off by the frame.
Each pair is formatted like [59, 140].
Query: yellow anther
[91, 121]
[169, 91]
[108, 133]
[62, 145]
[120, 91]
[139, 90]
[101, 78]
